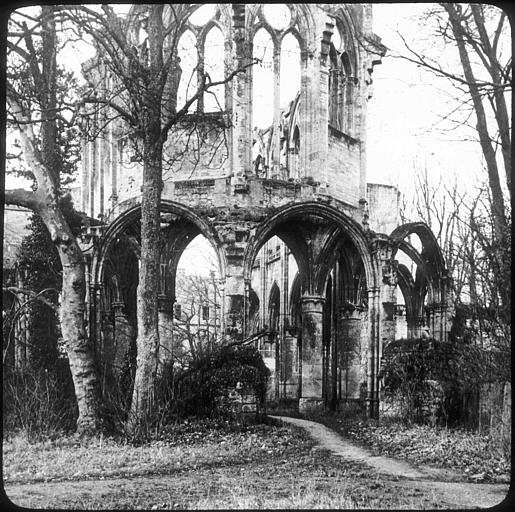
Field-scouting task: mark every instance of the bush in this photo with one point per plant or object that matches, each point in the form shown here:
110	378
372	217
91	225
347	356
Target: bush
40	402
203	389
428	377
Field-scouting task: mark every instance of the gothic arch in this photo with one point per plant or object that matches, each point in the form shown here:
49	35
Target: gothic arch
347	225
431	252
133	214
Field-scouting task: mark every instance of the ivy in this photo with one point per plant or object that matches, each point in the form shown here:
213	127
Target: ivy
201	389
416	371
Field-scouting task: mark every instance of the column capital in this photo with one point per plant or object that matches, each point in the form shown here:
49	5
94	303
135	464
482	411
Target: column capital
117	307
313	298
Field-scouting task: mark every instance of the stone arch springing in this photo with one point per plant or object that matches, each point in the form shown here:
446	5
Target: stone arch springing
131	217
288	213
430	292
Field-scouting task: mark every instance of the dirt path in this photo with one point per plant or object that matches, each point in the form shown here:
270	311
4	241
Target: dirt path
441	481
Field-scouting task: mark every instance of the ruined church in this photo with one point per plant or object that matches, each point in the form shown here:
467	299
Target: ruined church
274	176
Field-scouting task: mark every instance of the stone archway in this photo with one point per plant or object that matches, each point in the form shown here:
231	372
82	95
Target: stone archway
430	293
318	235
112	297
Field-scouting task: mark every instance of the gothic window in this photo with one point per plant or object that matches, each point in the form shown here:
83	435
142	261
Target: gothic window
187	52
278	16
294	164
290	69
263	80
214	99
341	82
203	15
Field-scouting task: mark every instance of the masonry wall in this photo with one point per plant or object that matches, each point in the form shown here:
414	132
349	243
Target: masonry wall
343	169
383	204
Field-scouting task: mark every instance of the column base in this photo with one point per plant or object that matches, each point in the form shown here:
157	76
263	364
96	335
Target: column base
311	404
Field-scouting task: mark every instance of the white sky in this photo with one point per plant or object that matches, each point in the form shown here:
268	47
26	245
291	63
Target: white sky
404	114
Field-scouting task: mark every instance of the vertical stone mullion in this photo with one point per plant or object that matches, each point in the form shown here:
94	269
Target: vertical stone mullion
275	167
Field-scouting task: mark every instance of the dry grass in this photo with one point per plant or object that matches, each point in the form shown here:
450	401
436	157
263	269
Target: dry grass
260	467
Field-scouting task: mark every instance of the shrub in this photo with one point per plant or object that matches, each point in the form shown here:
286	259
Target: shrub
41	402
203	389
418	372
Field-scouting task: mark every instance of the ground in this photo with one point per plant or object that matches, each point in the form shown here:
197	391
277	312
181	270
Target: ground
294	464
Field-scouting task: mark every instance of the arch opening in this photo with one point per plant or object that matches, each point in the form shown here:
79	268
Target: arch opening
324	309
189	292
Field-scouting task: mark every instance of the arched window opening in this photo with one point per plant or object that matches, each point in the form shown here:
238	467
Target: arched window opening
202	15
347	92
274	305
401	318
187	52
197	326
289	81
336	85
290	70
294	161
341	84
336	39
263	80
214	97
278	16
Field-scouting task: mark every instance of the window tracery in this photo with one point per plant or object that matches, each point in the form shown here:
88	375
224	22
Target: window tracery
341	81
275	88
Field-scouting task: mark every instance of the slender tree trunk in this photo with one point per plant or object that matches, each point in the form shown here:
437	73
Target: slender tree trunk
498	101
147	305
498	208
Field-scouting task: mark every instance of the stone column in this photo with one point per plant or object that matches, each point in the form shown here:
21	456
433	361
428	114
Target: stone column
241	136
286	359
312	365
372	353
323	105
92	176
234	300
387	299
290	376
114	167
350	351
275	149
85	174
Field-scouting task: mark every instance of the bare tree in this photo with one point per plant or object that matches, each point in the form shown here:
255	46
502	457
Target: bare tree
34	109
483	227
477	31
143	77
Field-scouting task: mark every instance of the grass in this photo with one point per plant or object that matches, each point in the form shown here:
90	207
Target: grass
258	466
472	454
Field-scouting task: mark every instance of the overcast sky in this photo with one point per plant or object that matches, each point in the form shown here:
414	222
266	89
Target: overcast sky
405	131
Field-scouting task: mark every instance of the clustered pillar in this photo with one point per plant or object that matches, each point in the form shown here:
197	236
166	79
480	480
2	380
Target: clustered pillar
312	308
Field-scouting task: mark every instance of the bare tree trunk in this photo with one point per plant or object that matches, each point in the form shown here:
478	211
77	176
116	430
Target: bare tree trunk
498	208
148	286
498	101
40	152
78	346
